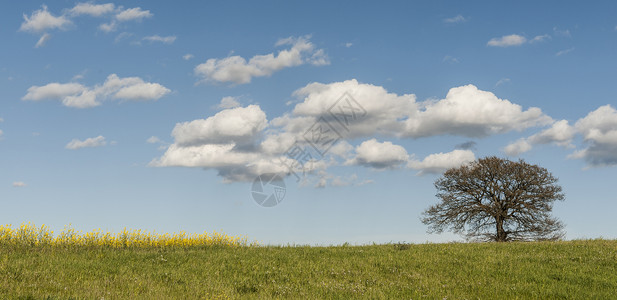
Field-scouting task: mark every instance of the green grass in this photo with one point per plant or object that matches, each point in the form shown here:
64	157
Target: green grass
541	270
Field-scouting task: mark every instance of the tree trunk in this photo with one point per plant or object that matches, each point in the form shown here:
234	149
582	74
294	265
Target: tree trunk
501	233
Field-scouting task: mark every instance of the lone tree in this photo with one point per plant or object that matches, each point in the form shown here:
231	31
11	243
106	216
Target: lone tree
496	199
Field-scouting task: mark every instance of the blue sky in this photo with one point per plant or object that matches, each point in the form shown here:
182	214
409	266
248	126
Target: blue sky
158	116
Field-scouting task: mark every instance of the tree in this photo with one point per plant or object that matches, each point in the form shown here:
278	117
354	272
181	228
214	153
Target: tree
496	199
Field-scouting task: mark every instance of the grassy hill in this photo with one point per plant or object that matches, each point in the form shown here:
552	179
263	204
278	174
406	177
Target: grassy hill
585	269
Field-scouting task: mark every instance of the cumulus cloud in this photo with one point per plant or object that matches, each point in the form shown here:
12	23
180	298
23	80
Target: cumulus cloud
42	20
466	111
439	162
469	111
507	41
75	144
517	148
212	143
228	102
187	56
1	133
95	10
238	70
19	184
239	125
79	96
239	142
599	131
162	39
384	155
560	133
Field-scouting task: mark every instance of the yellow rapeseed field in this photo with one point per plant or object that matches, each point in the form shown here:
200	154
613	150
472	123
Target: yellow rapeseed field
31	235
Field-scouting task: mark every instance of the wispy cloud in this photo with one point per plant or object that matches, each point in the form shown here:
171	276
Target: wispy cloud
563	52
507	41
75	144
455	19
559	32
502	81
162	39
450	59
540	38
19	184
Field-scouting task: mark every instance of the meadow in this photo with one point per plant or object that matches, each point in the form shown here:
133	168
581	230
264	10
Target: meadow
209	266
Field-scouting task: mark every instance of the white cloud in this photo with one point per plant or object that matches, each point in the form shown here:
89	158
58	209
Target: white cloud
108	27
502	81
564	33
236	69
163	39
378	155
539	38
19	184
560	133
562	52
240	126
456	19
75	144
133	14
153	140
44	38
41	20
439	162
95	10
239	142
121	36
114	87
187	56
450	59
348	45
228	102
53	91
517	148
1	120
1	132
507	41
468	111
599	130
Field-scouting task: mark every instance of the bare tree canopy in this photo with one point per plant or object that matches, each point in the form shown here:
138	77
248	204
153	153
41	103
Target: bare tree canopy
496	199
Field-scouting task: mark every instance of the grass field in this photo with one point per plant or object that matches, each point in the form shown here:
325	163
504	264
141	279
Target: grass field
585	269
